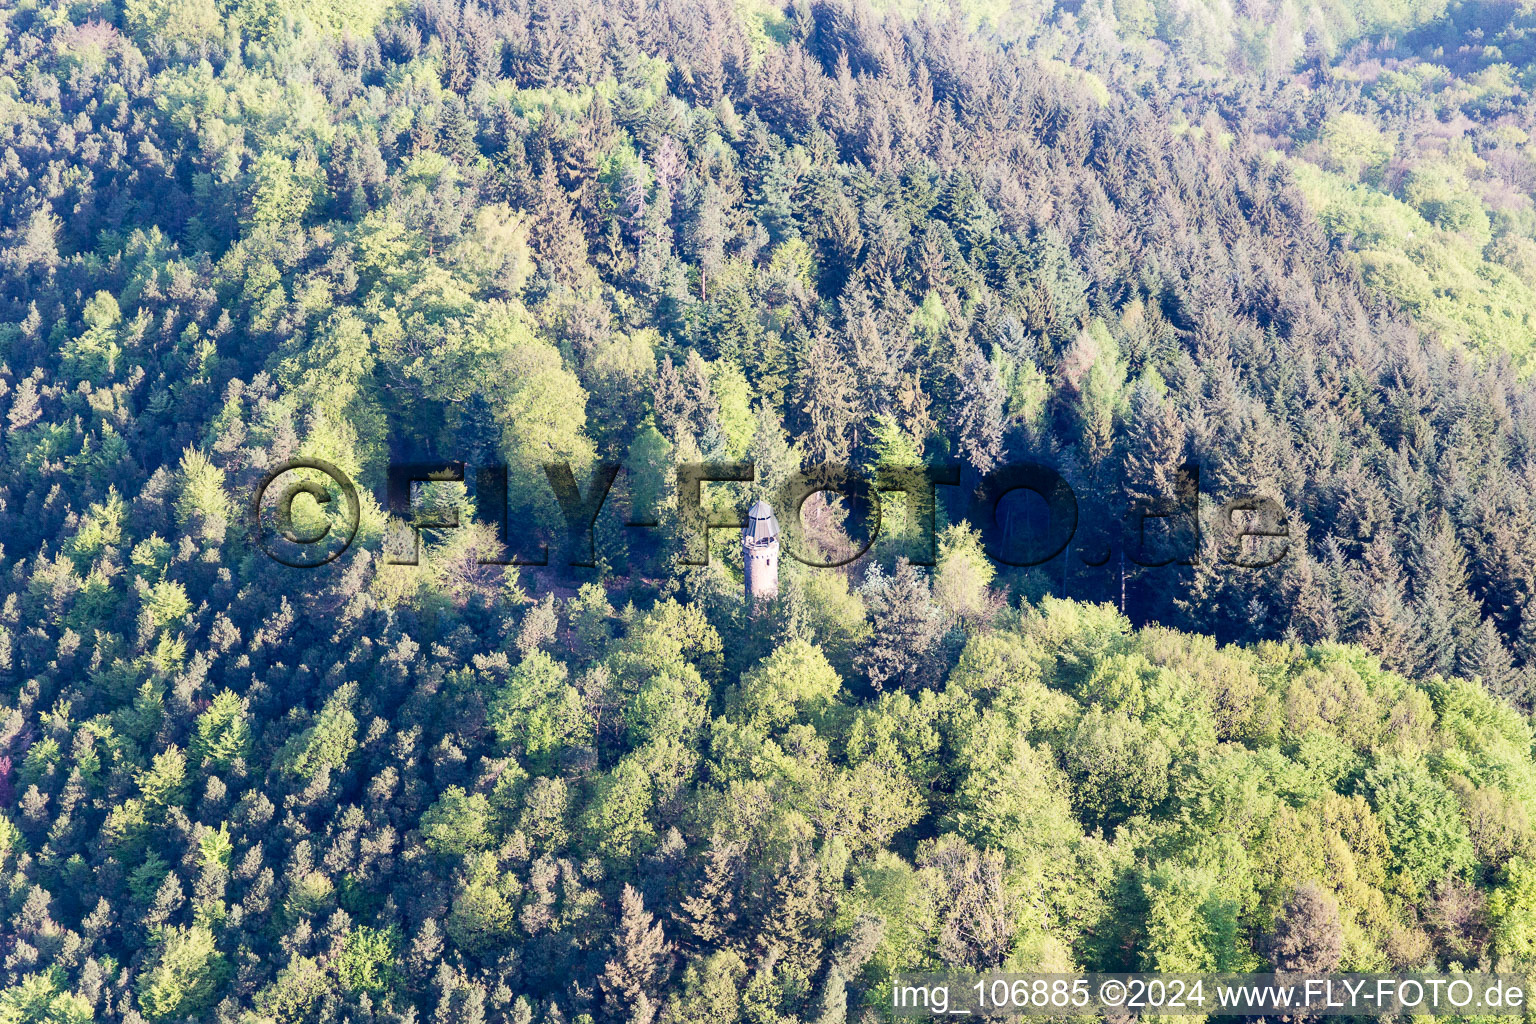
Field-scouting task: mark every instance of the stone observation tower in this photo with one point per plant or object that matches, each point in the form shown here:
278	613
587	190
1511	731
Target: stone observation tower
760	553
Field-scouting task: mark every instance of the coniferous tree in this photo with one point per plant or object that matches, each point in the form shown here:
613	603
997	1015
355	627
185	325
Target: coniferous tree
709	913
978	408
408	793
632	978
1443	604
901	651
824	389
1486	658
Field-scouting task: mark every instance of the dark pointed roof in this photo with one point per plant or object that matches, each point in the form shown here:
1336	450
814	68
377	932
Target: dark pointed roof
761	526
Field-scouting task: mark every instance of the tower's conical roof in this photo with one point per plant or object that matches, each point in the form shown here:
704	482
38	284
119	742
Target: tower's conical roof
761	526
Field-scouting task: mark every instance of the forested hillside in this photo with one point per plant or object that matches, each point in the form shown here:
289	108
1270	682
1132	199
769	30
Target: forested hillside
1091	238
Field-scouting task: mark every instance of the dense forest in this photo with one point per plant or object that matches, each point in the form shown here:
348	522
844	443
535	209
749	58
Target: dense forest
1292	247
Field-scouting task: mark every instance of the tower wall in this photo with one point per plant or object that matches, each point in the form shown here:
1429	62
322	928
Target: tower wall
762	569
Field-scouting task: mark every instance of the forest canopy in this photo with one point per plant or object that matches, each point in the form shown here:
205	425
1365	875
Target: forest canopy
1290	246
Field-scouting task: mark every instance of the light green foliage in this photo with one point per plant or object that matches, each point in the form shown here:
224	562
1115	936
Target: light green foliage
929	318
1168	700
125	828
793	682
1119	766
141	719
591	619
101	529
671	705
368	959
965	572
1353	145
482	344
166	602
1077	636
1193	919
711	990
1441	194
165	781
890	889
482	915
223	733
1145	725
899	734
1137	18
1098	373
649	469
1274	36
734	394
536	712
215	846
151	555
615	821
278	194
333	366
1512	909
865	805
187	973
356	16
1491	740
498	250
546	806
40	999
95	354
172	21
145	880
40	763
620	369
1242	707
669	634
11	841
1026	386
291	998
1423	823
327	743
1337	841
1439	275
1002	671
1011	795
202	490
834	616
542	408
458	824
311	894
